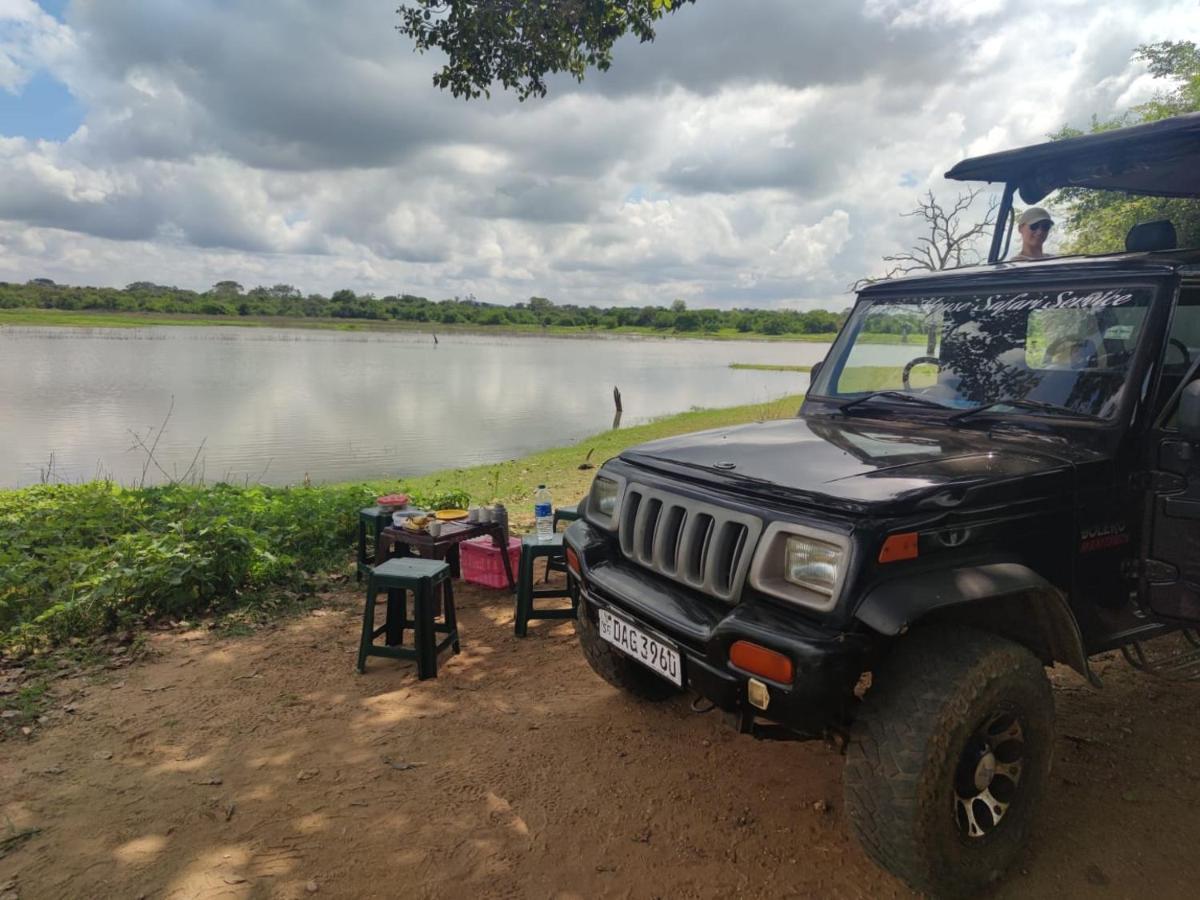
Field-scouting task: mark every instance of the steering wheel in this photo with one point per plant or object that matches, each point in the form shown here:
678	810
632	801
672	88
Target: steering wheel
911	364
1187	355
1078	341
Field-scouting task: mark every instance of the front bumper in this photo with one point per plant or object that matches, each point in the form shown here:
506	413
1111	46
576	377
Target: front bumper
827	664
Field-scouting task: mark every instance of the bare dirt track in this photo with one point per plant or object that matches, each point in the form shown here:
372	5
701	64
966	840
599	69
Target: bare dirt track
263	766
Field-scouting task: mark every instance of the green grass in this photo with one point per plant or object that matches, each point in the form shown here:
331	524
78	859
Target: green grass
244	554
765	367
104	319
514	482
30	701
89	319
883	378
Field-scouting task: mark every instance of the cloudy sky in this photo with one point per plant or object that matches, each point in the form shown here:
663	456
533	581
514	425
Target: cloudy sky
757	154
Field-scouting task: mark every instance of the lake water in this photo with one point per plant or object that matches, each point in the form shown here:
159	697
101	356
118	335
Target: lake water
274	405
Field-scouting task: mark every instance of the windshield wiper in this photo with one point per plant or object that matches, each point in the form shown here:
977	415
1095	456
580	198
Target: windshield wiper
1019	403
894	395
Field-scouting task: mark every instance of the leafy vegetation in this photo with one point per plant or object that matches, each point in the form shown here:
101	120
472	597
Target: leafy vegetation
517	43
80	560
227	301
83	559
1097	221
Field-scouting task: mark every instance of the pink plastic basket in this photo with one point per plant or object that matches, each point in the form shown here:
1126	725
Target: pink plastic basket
481	563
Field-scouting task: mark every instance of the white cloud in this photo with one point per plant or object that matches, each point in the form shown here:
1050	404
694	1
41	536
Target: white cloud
904	14
749	157
30	39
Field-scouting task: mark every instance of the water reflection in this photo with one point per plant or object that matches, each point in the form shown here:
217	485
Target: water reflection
277	405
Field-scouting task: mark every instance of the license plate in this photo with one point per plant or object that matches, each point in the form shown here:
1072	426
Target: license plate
661	658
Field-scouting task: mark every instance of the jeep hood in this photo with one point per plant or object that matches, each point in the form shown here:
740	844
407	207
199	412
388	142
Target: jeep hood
864	465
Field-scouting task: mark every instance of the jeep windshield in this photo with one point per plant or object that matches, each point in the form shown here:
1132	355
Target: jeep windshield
1033	352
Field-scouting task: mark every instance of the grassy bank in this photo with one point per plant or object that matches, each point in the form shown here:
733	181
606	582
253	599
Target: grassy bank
765	367
97	319
79	560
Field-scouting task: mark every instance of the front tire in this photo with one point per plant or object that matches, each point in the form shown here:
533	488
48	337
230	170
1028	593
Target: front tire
615	667
951	753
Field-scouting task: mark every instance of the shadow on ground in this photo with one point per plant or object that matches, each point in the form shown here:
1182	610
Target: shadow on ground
264	767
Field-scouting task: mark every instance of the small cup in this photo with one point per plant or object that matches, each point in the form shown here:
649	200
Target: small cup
473	514
434	528
485	514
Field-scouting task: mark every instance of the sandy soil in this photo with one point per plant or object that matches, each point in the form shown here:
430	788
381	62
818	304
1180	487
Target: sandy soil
263	766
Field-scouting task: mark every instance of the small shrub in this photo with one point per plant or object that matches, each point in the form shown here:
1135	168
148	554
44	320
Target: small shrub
440	499
79	560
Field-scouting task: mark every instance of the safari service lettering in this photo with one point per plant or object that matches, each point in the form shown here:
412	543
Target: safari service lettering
1000	303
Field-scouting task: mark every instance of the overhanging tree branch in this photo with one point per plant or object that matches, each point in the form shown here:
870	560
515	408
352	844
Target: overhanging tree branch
518	43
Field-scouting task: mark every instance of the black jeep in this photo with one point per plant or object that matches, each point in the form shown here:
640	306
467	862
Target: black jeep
995	469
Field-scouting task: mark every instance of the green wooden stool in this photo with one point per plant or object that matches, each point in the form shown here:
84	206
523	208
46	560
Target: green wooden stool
561	514
399	577
565	514
531	550
374	519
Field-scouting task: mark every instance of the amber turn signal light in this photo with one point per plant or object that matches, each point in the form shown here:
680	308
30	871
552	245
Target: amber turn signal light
760	661
898	547
573	562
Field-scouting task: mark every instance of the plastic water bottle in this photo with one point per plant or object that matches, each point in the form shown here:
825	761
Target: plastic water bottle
543	513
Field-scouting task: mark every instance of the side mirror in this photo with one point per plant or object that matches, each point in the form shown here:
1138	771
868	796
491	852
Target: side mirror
815	371
1189	411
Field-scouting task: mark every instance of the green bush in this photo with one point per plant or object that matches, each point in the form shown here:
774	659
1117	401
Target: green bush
79	560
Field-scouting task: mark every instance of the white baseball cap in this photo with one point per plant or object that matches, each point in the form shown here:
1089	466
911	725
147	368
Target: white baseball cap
1034	214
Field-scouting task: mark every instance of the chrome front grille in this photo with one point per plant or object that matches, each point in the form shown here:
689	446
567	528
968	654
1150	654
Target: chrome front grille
703	546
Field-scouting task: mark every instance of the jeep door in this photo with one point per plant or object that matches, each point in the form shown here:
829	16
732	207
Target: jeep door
1170	571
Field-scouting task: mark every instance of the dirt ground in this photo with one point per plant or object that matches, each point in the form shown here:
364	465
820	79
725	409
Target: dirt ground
263	766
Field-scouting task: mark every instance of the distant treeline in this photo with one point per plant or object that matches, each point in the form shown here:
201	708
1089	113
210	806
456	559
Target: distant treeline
228	298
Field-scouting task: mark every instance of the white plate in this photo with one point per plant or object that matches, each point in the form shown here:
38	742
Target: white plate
659	657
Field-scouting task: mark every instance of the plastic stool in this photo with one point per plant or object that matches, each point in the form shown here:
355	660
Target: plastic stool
376	519
399	577
565	514
562	514
531	550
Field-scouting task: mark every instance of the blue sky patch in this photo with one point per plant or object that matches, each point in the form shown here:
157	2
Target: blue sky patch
42	110
56	8
640	193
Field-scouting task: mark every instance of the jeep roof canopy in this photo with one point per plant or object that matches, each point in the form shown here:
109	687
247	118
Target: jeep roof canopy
1158	158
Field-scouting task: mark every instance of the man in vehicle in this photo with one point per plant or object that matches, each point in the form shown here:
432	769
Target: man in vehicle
1034	226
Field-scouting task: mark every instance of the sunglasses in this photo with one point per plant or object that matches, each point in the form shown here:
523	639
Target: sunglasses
1041	226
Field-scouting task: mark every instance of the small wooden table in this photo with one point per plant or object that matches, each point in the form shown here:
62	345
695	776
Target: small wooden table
395	541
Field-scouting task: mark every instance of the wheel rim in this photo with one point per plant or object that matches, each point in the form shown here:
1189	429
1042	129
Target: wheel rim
988	779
